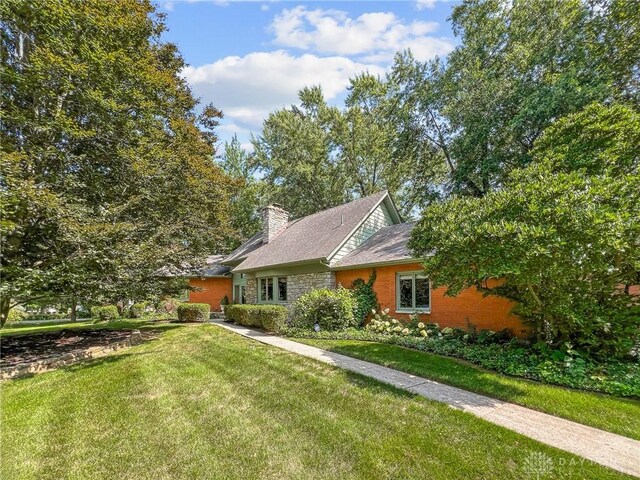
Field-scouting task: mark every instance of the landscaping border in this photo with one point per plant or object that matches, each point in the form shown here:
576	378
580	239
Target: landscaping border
65	359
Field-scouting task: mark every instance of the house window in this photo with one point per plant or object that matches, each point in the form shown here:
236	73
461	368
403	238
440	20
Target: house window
413	293
272	289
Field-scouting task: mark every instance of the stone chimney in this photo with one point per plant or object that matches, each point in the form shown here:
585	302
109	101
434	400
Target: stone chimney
274	221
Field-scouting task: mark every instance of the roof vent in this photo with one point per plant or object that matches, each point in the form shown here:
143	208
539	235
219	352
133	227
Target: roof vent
274	221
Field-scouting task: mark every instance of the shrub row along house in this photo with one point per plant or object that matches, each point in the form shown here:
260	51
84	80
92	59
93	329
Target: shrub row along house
335	247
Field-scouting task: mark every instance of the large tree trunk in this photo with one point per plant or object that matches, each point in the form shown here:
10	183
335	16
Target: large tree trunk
74	307
4	310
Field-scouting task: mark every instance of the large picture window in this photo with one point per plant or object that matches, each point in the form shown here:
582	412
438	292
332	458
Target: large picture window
413	293
272	289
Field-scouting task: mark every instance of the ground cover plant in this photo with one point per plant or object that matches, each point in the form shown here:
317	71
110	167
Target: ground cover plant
199	401
496	351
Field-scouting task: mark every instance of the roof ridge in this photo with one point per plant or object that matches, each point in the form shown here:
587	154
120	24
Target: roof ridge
339	206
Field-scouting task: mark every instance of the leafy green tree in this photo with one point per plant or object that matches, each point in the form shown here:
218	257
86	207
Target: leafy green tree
520	66
294	156
316	156
562	236
248	197
106	168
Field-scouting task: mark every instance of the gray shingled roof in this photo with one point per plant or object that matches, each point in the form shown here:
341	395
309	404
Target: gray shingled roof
389	244
244	250
314	237
211	268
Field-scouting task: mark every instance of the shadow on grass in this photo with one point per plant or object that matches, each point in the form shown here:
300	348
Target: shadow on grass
401	383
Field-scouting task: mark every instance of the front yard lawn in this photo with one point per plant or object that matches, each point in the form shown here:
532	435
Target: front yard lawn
613	414
24	329
200	402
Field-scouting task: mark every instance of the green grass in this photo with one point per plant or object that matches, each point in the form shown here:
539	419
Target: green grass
200	402
617	415
80	324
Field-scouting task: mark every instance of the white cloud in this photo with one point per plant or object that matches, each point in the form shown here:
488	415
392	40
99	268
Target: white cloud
247	88
373	36
429	4
422	4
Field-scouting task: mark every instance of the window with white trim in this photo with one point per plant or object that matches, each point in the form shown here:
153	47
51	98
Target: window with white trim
413	293
272	289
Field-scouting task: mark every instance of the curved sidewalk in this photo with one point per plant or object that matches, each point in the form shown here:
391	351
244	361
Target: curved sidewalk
608	449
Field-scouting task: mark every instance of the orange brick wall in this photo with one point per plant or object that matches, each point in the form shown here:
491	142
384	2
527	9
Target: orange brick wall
213	290
490	313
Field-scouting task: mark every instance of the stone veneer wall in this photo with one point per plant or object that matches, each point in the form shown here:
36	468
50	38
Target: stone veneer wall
296	285
251	291
299	284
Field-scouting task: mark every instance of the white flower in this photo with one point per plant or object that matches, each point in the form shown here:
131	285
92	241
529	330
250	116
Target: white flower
386	311
420	325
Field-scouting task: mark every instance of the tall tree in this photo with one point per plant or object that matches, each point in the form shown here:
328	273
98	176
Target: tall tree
520	66
107	172
315	156
296	158
249	196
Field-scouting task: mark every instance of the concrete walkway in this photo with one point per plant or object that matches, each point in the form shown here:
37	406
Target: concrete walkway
608	449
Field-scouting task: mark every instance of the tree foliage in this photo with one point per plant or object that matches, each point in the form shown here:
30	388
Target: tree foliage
316	156
519	67
249	194
103	155
562	235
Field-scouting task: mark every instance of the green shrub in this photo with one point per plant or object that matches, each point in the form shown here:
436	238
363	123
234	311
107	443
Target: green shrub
46	316
193	312
366	297
269	317
106	313
137	310
331	309
16	314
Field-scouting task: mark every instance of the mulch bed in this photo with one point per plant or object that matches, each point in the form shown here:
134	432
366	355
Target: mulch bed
26	349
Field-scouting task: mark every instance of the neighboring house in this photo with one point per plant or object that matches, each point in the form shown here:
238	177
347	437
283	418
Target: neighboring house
337	246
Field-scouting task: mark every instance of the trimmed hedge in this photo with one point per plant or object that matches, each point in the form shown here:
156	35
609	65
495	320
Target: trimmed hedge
193	312
270	317
106	313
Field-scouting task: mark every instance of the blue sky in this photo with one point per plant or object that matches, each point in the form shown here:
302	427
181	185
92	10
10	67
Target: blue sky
252	57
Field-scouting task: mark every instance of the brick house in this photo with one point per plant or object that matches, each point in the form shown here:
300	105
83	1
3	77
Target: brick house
336	246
